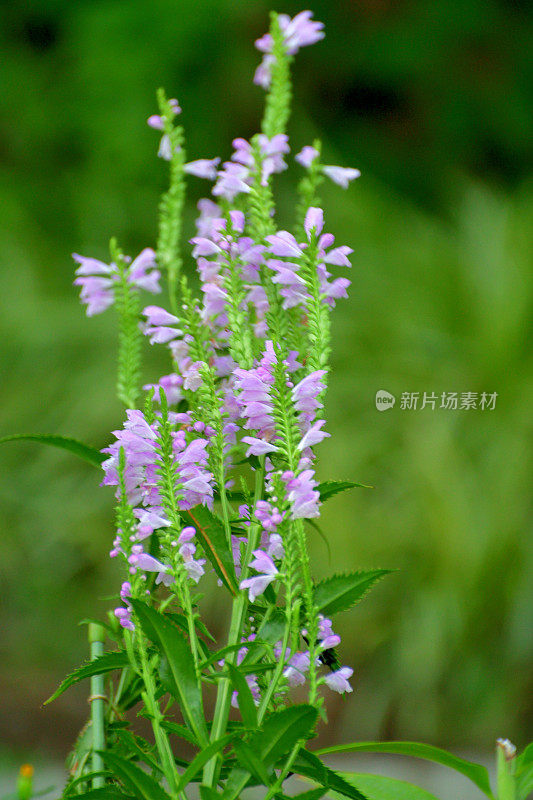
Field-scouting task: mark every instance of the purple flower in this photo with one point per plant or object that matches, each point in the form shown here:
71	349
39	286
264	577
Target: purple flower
275	546
303	496
263	564
124	617
314	220
171	386
306	392
209	211
314	435
97	280
156	121
203	168
272	152
341	175
298	666
268	516
306	156
338	681
284	244
298	32
231	181
258	447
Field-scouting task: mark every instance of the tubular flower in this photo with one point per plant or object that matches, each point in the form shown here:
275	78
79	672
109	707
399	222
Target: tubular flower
97	280
288	274
338	681
263	564
298	32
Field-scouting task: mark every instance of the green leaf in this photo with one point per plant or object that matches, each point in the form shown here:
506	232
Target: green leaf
309	765
180	730
250	761
202	758
244	697
312	794
524	773
84	451
341	592
282	730
475	772
140	783
328	489
278	735
182	672
379	787
211	533
208	793
106	663
104	793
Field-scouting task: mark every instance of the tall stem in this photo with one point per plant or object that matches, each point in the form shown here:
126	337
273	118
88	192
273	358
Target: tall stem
238	613
96	641
163	747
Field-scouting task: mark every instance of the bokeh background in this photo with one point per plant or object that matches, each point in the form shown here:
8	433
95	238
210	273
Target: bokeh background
432	101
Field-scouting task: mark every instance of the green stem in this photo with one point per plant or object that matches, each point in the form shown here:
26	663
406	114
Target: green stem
96	641
276	788
166	757
238	613
506	766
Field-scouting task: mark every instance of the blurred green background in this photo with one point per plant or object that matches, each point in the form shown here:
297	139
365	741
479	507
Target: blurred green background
432	101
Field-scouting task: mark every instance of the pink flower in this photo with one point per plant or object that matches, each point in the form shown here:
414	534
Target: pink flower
338	681
341	175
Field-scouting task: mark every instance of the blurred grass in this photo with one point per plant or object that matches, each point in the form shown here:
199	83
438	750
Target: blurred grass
433	105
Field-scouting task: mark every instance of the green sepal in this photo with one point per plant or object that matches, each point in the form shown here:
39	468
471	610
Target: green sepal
475	772
183	684
83	451
143	786
106	663
211	534
341	592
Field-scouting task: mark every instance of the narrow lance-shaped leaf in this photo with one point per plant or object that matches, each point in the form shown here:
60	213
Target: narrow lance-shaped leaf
245	699
282	730
329	489
80	449
476	772
380	787
309	765
341	592
251	762
181	665
140	783
202	758
106	663
210	532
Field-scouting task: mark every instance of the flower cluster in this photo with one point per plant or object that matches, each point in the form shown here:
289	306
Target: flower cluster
246	384
99	280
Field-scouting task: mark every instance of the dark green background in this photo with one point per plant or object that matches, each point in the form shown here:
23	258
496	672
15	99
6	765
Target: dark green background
432	102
